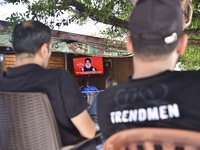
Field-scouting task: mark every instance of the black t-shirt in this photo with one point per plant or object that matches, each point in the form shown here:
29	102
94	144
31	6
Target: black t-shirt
65	96
169	99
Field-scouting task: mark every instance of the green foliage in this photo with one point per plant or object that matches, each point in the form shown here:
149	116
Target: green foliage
16	2
190	60
115	33
99	10
195	24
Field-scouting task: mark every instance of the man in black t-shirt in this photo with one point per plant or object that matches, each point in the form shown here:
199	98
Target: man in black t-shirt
88	66
156	95
32	44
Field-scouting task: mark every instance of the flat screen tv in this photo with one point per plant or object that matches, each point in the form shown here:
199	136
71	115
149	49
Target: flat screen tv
88	65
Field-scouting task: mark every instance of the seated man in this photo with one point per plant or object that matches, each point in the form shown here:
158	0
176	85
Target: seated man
110	81
156	95
32	44
86	88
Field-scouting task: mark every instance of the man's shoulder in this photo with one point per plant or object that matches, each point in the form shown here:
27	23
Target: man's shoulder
85	89
111	91
55	73
186	75
1	73
93	88
56	70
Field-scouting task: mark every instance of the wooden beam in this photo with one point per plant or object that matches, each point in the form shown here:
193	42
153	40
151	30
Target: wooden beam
4	25
103	42
88	39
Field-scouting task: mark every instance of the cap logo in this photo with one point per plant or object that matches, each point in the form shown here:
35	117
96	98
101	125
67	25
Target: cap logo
172	38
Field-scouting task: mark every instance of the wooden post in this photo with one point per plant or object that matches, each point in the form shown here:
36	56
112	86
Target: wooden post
65	55
1	62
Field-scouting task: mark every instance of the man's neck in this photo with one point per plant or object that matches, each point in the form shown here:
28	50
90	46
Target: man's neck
24	59
147	69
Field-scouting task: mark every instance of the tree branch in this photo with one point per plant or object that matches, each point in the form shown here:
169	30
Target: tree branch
111	21
193	42
82	8
192	32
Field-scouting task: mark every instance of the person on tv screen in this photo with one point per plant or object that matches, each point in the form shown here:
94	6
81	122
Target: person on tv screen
88	66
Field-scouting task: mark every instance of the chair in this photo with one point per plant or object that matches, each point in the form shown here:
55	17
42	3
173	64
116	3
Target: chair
27	122
153	138
90	96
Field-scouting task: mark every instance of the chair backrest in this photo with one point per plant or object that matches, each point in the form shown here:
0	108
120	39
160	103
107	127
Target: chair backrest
27	122
90	96
152	138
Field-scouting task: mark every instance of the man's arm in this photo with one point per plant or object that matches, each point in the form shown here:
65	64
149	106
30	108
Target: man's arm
84	124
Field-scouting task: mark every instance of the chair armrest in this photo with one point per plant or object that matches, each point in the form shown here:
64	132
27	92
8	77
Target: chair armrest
69	147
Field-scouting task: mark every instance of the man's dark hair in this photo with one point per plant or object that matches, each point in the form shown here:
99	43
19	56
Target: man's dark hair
87	59
146	51
29	36
111	81
84	82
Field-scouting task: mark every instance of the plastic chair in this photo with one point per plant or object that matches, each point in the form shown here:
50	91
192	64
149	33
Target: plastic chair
90	96
153	138
27	122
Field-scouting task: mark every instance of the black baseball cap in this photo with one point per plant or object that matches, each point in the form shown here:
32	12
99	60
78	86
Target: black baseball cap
156	22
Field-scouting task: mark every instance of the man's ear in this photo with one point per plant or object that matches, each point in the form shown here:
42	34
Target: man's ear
106	86
129	45
182	44
43	51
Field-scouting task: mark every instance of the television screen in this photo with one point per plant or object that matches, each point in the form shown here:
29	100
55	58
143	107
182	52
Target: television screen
88	65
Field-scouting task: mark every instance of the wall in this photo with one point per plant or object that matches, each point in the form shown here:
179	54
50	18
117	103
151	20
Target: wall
56	60
120	68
